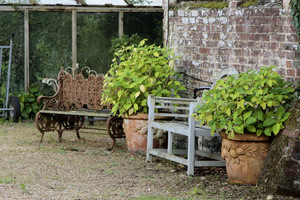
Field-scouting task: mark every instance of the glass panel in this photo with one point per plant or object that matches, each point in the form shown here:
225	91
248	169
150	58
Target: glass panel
146	25
12	22
50	44
95	31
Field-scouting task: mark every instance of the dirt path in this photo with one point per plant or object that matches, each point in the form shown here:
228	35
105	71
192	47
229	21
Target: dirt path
83	169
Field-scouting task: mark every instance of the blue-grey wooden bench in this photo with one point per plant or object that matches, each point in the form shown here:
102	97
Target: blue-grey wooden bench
181	109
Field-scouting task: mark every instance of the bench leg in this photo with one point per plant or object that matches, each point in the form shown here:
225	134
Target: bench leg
60	132
114	129
42	136
44	123
77	133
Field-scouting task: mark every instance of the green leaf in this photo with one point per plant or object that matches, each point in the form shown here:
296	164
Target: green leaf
142	88
276	128
130	111
259	115
280	111
250	120
251	128
285	116
238	121
268	131
269	122
228	111
137	94
120	92
247	115
238	129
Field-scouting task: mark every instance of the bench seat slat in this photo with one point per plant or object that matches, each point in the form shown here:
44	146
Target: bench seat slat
77	113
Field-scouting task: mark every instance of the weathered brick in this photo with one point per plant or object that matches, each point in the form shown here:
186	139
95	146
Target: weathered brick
291	72
204	50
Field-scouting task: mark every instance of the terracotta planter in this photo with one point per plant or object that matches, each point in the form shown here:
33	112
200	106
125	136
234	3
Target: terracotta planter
136	128
244	156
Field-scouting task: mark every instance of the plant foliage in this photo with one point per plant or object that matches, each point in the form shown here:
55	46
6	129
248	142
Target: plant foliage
28	101
249	102
295	12
136	73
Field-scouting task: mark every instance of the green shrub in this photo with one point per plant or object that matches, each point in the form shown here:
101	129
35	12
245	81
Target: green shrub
137	72
249	102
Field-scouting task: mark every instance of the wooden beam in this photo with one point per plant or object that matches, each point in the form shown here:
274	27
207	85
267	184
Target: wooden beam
82	8
121	23
74	39
26	51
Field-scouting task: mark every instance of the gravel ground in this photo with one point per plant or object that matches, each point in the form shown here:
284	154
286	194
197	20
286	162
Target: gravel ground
84	169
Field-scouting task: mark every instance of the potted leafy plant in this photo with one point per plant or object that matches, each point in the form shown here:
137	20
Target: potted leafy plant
248	109
136	73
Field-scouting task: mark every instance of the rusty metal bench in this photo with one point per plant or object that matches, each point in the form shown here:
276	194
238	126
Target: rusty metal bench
77	97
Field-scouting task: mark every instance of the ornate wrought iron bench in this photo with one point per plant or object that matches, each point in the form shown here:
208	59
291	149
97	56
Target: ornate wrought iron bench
77	97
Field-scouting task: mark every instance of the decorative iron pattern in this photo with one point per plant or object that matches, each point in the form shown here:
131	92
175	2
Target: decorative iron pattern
76	92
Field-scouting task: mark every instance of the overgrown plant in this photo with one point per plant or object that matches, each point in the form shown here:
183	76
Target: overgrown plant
137	72
28	101
125	40
251	102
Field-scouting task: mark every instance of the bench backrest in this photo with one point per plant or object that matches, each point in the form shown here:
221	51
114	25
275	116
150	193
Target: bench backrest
80	91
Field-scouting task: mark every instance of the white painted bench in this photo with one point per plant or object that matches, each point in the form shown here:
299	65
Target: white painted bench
183	124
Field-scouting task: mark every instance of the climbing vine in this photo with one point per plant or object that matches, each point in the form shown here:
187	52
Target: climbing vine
295	12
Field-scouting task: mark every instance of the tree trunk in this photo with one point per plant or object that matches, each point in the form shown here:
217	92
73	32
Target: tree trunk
281	170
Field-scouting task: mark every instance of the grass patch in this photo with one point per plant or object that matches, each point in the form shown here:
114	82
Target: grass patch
155	197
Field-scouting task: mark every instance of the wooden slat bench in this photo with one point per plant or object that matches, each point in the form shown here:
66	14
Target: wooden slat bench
77	97
183	124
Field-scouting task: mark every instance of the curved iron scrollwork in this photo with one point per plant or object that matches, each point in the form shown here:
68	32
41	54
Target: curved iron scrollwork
76	92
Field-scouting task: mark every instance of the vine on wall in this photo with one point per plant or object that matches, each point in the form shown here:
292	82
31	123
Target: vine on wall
295	12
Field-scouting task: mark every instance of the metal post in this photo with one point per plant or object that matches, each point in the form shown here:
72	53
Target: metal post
8	71
1	51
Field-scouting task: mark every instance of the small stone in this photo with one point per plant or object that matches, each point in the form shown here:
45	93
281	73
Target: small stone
202	178
270	197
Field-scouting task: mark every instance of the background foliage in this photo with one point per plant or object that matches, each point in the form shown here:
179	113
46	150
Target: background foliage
51	40
295	12
51	45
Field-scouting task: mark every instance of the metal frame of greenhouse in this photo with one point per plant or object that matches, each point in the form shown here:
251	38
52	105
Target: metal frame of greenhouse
74	6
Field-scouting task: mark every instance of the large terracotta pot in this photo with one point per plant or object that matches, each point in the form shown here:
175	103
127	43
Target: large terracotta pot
136	128
244	156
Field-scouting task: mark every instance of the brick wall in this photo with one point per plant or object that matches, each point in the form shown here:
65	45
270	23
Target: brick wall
209	40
